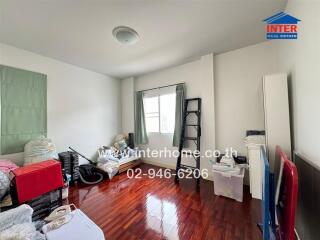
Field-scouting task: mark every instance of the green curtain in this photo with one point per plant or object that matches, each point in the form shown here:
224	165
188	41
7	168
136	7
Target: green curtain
23	108
141	136
180	97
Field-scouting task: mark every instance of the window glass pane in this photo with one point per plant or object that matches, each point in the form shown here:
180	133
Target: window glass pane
167	112
151	104
151	111
152	124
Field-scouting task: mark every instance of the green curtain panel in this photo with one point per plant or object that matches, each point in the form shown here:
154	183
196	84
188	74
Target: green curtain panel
141	136
23	108
180	97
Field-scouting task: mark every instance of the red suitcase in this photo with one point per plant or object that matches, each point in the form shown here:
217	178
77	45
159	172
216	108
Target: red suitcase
36	179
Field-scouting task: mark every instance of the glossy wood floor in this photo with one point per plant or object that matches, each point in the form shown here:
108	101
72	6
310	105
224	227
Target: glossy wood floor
160	209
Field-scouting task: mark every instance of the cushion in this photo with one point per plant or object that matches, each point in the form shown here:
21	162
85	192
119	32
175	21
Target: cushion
6	166
121	145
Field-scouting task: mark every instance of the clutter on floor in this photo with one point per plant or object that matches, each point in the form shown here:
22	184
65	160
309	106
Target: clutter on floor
64	223
17	224
228	178
112	160
110	166
37	169
47	175
120	155
89	173
45	203
38	150
120	149
43	196
52	178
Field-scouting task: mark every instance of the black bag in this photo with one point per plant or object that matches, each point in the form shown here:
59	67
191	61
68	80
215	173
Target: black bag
89	174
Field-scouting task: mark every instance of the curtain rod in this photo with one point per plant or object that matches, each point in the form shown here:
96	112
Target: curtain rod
160	87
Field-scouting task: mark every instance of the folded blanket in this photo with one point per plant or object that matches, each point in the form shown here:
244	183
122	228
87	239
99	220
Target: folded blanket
16	224
24	231
21	214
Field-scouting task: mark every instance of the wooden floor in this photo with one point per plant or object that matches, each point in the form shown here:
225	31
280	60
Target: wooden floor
160	209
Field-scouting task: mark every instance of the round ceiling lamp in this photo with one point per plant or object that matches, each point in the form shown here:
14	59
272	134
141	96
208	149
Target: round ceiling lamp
125	35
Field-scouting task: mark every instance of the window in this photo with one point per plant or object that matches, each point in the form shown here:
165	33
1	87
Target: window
151	110
159	108
167	112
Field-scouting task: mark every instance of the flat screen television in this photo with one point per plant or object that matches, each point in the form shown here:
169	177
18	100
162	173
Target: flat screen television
308	207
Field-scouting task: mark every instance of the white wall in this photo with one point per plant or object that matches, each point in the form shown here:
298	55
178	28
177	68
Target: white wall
238	92
83	106
198	77
230	85
301	60
127	102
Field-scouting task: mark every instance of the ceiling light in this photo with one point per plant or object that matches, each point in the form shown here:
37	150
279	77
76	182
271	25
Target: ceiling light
125	35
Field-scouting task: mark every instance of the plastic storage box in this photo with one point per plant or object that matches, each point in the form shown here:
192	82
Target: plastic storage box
70	164
45	204
228	186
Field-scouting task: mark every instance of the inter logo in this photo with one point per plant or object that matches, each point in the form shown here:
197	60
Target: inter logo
282	26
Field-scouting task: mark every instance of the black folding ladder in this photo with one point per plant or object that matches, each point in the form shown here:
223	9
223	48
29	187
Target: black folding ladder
195	139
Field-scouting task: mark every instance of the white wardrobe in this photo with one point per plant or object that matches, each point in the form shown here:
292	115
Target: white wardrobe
277	126
277	117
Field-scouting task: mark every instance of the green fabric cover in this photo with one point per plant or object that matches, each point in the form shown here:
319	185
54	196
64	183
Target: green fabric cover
180	97
141	136
23	108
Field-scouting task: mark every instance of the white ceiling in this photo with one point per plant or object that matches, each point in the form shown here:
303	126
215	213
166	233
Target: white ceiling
171	31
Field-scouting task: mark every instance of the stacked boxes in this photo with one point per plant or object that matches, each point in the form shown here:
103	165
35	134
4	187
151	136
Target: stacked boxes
45	204
70	164
38	185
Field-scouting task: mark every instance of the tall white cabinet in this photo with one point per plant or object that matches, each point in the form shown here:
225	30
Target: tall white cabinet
277	118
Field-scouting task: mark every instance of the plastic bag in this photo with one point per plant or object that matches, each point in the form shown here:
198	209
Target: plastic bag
38	150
